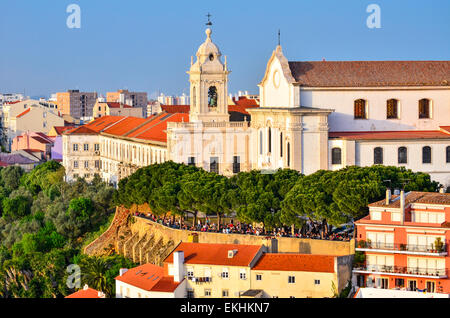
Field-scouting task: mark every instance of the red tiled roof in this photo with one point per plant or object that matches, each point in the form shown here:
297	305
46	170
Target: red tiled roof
149	277
371	73
240	108
125	126
296	263
41	140
176	108
117	105
446	129
23	113
392	135
95	126
216	254
246	102
60	129
155	129
85	293
416	197
14	102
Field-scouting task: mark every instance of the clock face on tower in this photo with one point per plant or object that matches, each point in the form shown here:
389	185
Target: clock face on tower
276	79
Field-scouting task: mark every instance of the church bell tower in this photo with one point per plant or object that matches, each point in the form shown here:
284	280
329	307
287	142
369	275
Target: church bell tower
208	78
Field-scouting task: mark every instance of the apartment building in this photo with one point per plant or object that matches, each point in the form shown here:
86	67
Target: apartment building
134	99
405	242
115	109
76	104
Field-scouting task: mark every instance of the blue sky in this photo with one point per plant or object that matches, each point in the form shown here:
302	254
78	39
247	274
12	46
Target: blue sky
146	45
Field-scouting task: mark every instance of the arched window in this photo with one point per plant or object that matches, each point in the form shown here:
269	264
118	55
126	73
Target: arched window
426	154
260	142
212	96
402	155
194	96
392	109
448	154
288	154
424	108
269	136
336	156
360	109
281	144
378	156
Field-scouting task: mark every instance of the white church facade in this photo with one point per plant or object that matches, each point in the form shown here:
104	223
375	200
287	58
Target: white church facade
319	115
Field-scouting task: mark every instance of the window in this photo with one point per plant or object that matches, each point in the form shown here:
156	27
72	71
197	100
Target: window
190	293
317	282
424	108
378	156
402	155
44	124
392	109
97	164
75	147
214	164
225	273
190	272
431	287
86	147
258	277
281	144
360	109
212	96
207	292
412	285
96	147
236	164
243	274
269	133
336	156
447	154
191	161
291	279
86	164
224	292
44	114
75	164
399	282
260	142
288	154
426	154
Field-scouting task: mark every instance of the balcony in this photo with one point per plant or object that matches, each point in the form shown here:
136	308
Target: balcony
401	271
200	280
411	249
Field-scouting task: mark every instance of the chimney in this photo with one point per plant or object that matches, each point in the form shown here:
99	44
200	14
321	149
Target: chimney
402	206
101	294
388	196
123	271
85	287
178	266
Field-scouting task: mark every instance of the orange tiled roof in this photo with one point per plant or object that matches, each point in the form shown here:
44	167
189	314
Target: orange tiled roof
117	105
246	102
416	197
216	254
154	129
296	263
371	73
176	108
85	293
392	135
60	129
149	277
94	126
124	126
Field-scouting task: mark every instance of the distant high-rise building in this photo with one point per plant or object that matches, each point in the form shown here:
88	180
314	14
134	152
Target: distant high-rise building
76	104
135	99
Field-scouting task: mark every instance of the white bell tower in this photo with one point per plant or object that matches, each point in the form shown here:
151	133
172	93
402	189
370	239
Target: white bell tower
208	77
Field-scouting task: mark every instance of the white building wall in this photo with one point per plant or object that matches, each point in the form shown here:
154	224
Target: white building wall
342	101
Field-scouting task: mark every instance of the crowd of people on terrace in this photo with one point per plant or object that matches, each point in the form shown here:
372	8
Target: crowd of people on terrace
311	230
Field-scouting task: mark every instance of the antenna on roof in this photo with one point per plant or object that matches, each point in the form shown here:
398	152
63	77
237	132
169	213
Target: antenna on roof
279	37
405	182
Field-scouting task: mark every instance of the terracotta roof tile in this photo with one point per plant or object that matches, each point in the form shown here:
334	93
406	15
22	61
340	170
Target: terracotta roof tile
216	254
23	113
296	263
85	293
371	73
149	277
416	197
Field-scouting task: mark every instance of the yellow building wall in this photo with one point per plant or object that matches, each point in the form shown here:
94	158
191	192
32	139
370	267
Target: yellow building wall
276	284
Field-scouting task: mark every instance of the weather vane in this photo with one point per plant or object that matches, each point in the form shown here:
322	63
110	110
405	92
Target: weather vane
209	23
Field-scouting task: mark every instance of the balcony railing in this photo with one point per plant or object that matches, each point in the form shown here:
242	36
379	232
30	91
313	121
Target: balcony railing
403	247
403	270
199	280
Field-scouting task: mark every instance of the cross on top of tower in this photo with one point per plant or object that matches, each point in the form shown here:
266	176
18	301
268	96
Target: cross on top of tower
209	23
